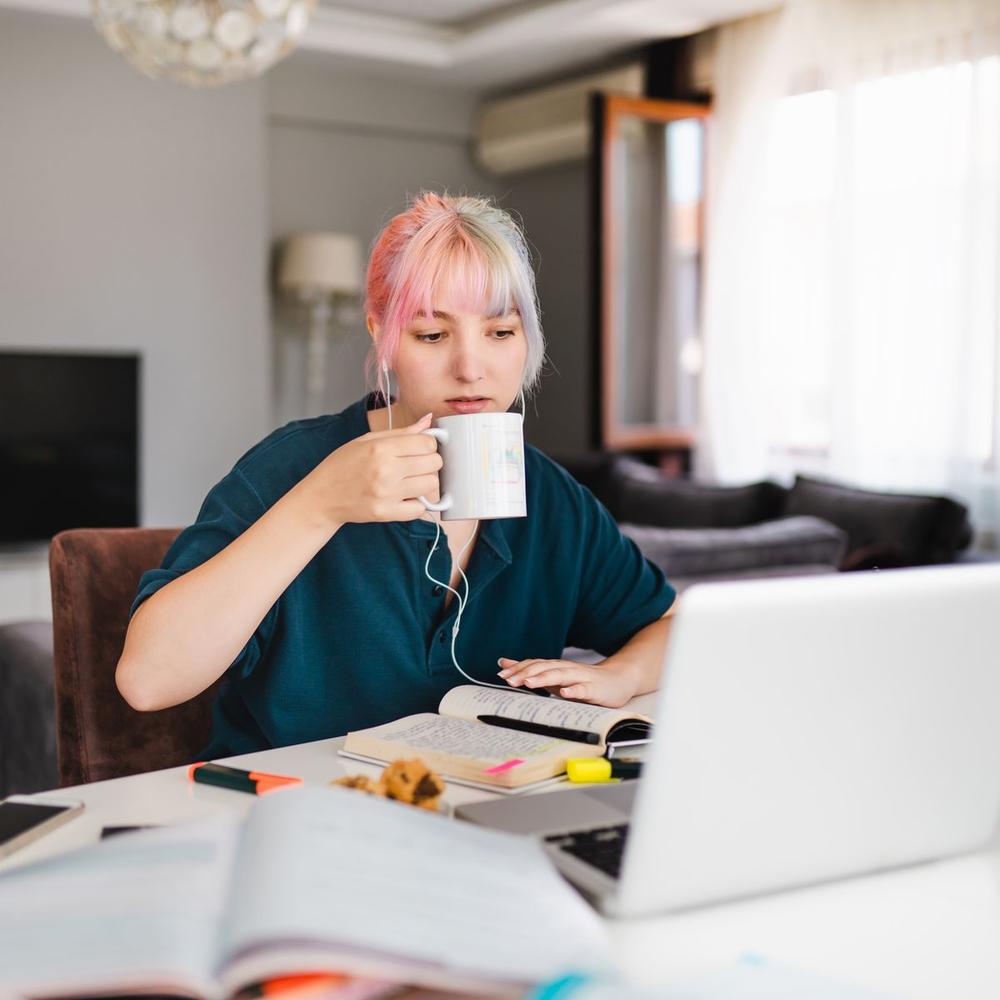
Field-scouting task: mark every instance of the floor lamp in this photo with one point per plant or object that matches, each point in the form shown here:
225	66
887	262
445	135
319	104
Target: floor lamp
321	270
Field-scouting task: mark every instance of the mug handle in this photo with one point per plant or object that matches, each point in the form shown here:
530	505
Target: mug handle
446	501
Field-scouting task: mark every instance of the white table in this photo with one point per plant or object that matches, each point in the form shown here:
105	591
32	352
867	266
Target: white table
925	933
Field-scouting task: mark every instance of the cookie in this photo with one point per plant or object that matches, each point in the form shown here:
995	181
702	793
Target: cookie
362	783
414	782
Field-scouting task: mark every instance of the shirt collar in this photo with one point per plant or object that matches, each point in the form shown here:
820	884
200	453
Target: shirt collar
492	533
357	413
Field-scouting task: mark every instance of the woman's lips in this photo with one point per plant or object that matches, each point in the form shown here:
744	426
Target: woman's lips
467	406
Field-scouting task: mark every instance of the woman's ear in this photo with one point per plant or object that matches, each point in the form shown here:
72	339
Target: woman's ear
373	327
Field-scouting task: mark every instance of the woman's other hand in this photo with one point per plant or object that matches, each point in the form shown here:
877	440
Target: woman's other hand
608	685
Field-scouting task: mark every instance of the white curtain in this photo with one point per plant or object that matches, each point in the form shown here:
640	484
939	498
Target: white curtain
852	276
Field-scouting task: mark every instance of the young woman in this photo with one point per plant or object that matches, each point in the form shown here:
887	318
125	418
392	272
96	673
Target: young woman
302	579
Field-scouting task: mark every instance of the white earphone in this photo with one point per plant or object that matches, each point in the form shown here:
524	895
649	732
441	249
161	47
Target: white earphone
388	407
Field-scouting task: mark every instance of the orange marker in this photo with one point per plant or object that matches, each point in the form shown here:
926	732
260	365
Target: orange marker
255	782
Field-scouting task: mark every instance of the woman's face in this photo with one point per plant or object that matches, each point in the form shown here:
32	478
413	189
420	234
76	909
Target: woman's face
453	355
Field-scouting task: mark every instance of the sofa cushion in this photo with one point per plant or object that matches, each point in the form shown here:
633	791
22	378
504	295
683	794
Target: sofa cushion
706	552
604	472
885	529
682	503
596	472
27	709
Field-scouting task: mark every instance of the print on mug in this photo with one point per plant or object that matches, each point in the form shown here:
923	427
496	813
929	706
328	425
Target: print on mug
483	472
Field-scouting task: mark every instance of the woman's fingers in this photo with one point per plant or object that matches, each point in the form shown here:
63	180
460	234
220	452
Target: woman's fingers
557	676
578	692
510	667
413	430
596	685
542	673
409	510
420	465
423	486
512	670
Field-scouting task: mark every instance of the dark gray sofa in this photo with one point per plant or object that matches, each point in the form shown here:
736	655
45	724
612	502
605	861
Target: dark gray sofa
696	531
27	709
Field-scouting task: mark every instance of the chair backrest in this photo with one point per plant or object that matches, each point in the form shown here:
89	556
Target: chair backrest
95	576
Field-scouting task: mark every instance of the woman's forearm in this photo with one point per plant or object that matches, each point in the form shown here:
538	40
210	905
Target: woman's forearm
642	656
185	635
633	670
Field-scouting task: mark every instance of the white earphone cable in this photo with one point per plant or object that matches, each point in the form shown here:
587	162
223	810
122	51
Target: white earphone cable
461	604
437	535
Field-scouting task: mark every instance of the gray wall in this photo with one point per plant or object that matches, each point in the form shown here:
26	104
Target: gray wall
134	219
554	206
140	216
344	153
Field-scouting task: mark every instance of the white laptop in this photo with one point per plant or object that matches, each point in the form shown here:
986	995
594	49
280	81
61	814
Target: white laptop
808	729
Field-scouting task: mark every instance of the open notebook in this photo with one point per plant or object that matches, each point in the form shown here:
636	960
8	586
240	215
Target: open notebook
464	749
317	879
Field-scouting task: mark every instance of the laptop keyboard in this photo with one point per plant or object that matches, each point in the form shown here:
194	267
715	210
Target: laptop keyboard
603	847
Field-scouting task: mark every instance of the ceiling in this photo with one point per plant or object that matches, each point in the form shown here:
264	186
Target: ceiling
484	44
444	12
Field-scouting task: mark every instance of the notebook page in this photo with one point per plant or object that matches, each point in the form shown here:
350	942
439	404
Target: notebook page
468	701
141	909
443	734
333	865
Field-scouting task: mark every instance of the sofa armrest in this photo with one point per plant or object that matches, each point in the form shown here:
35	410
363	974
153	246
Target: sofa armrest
975	556
885	529
707	552
27	709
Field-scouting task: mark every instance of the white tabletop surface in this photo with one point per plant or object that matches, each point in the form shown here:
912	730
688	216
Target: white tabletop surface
923	933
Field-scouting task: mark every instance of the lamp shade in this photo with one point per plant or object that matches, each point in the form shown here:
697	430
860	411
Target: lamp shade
203	42
324	263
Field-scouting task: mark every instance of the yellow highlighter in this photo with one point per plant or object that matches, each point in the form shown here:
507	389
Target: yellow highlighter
601	769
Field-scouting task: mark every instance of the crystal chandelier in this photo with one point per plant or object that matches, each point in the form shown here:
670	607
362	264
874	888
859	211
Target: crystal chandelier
202	42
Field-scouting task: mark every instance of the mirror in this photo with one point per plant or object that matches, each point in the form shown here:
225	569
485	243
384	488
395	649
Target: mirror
650	191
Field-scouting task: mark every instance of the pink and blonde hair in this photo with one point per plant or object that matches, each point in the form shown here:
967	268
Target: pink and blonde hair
468	245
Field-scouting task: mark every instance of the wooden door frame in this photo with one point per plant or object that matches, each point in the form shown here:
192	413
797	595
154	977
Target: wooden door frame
607	111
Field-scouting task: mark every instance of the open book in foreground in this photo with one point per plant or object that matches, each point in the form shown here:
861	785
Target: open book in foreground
462	747
316	880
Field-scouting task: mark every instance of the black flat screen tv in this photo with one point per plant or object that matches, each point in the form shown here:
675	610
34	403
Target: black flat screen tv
68	443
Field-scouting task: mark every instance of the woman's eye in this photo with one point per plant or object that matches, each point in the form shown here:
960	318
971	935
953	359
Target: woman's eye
435	337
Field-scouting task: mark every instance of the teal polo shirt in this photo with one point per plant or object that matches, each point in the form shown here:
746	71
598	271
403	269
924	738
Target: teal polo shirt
361	636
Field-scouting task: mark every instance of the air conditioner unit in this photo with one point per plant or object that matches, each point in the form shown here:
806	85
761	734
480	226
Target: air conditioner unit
550	125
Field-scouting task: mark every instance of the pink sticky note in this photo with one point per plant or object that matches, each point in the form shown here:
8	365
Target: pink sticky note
505	766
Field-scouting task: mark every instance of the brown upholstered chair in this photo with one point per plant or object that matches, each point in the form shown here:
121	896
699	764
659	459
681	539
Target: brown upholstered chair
95	576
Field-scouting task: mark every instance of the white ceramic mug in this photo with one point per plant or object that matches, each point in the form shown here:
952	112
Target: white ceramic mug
483	472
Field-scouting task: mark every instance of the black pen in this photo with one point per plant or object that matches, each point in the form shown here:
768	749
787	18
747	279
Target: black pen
575	735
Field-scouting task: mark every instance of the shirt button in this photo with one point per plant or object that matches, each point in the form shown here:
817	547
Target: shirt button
436	591
430	543
441	637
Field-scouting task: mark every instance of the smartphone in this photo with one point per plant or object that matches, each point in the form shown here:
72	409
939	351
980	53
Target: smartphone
24	819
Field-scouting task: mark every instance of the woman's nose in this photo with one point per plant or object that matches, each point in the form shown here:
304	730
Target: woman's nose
467	364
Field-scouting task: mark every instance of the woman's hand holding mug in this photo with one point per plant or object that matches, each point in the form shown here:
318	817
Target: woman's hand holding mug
378	476
393	475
